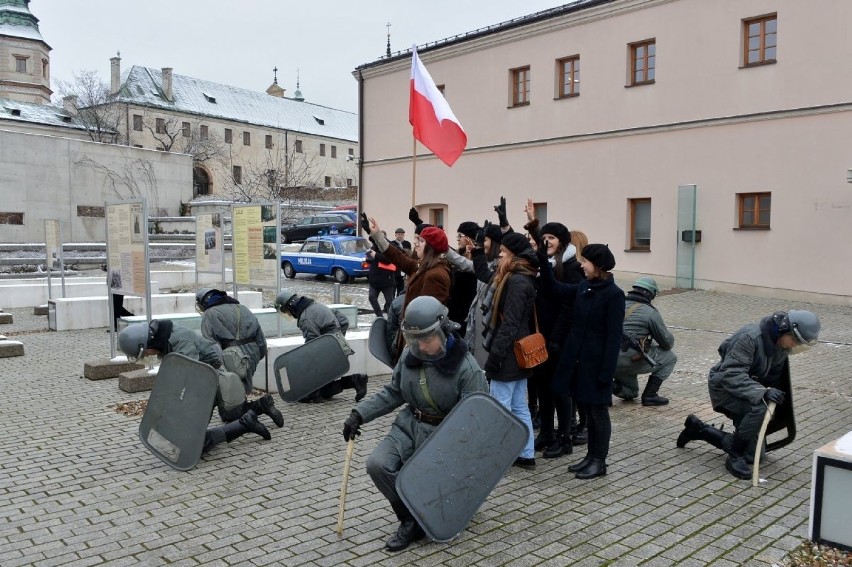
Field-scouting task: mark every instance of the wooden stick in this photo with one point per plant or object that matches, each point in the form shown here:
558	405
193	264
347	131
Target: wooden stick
755	471
413	169
349	450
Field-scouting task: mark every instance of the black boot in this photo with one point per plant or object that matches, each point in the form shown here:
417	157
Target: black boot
266	406
736	462
581	465
650	397
595	468
691	431
562	446
408	531
543	440
579	436
230	431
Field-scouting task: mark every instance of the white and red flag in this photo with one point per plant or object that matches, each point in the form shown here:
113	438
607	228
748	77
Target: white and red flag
433	120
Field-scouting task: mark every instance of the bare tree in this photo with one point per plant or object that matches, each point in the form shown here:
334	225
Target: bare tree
136	179
93	100
165	131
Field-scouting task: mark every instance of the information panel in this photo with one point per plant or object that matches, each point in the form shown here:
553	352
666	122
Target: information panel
255	244
126	239
209	246
52	241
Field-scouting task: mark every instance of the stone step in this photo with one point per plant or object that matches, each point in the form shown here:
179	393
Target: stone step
11	348
5	318
137	380
108	368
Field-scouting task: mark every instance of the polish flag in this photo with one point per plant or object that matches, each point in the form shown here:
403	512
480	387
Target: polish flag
433	120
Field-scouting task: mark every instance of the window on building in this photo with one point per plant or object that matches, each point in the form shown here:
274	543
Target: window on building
436	217
322	149
755	209
760	36
352	152
229	136
268	142
327	181
161	126
238	174
44	68
298	146
20	67
271	176
185	128
137	122
246	138
519	86
568	76
349	182
640	224
334	151
540	212
11	218
203	132
643	56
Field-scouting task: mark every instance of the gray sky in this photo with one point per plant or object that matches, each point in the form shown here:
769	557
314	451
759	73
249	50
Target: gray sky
238	42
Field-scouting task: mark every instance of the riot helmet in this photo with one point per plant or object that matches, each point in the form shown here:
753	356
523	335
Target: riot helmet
201	298
803	325
426	327
284	300
646	283
133	340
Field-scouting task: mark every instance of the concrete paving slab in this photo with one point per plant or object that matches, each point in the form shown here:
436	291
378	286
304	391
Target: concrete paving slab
103	369
11	348
137	380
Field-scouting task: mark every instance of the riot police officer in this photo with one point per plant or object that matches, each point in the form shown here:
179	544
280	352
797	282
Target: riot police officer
753	371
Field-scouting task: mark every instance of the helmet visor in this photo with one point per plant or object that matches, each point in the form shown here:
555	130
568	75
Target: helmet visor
427	344
802	340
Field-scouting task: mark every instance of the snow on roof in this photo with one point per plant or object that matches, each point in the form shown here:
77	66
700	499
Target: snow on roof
37	114
24	32
143	86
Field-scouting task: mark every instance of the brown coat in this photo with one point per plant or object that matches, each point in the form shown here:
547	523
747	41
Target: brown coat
434	281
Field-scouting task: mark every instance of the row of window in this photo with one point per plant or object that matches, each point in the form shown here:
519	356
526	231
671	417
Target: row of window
272	175
760	41
204	133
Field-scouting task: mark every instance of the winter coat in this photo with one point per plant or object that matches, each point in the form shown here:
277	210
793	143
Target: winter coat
191	344
232	325
473	329
447	380
555	315
750	363
590	353
378	277
316	319
514	321
434	281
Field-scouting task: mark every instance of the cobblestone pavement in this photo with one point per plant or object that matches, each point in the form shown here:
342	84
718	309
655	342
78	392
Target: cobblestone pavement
78	488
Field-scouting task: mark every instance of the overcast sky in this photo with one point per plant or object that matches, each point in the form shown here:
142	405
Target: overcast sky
238	42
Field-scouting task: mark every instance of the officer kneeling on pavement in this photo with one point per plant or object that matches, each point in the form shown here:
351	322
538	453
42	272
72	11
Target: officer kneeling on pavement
754	371
646	347
162	337
434	372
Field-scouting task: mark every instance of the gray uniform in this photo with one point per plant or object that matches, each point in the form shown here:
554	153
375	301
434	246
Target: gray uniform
751	363
447	381
189	343
235	328
644	321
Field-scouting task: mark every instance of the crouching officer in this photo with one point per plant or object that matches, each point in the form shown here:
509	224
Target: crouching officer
237	332
753	371
161	338
434	372
315	319
644	327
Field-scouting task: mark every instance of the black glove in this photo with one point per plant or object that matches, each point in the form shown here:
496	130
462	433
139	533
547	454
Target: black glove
501	213
774	395
541	254
365	223
479	239
352	426
414	216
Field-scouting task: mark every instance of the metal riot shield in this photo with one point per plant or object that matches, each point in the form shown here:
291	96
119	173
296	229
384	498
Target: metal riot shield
379	343
449	477
784	418
309	367
178	411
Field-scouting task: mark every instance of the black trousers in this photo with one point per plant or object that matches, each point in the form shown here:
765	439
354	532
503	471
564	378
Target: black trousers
599	427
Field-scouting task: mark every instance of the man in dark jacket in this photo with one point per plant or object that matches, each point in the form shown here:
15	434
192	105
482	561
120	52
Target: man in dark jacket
644	324
752	371
405	246
381	279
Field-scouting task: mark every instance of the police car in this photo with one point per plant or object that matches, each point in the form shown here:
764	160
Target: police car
342	257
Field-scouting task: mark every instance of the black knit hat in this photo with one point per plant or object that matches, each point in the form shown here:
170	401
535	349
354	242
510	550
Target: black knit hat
516	242
559	230
469	229
600	256
494	232
419	228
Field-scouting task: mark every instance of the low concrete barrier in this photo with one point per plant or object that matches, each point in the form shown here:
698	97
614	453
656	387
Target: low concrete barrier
33	292
66	314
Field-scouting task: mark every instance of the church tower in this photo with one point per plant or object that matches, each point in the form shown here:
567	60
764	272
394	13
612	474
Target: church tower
24	56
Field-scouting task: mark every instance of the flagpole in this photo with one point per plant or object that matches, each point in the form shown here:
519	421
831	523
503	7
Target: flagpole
413	169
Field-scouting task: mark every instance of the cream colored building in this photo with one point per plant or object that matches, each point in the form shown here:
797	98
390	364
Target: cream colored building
24	55
605	112
245	143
